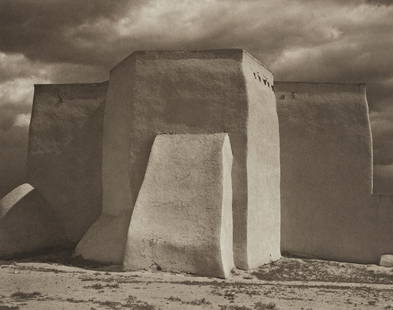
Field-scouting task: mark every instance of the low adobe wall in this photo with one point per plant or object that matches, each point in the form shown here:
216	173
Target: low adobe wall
64	157
328	210
28	225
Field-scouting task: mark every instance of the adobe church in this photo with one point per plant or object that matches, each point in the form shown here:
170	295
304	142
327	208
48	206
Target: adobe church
198	162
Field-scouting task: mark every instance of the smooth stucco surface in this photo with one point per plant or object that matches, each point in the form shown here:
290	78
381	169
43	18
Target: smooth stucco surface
64	158
27	223
11	198
182	219
328	210
195	92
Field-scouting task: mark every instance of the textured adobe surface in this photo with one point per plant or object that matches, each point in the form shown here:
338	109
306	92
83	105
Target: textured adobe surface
104	241
182	219
27	223
64	160
326	183
196	92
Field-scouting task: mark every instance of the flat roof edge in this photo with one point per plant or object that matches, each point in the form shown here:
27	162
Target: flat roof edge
235	53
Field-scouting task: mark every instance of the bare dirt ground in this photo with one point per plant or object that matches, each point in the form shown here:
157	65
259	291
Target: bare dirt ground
58	282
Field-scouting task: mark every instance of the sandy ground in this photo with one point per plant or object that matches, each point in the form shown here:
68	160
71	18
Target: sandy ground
58	283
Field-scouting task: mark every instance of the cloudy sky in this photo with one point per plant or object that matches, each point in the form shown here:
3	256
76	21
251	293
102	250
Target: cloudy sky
60	41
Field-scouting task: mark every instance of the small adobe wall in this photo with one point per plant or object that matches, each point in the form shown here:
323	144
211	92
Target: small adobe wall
28	224
64	157
328	210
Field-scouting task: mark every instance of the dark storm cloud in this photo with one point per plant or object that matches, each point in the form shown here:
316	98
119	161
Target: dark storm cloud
99	33
380	2
47	30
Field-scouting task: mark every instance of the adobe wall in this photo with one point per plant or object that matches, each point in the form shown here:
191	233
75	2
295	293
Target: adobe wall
64	157
326	181
183	92
182	219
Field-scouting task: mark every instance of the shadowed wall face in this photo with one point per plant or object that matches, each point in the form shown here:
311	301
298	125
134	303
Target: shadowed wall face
326	165
64	158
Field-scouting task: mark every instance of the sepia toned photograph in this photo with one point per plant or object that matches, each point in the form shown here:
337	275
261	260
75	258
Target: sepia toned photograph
196	154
